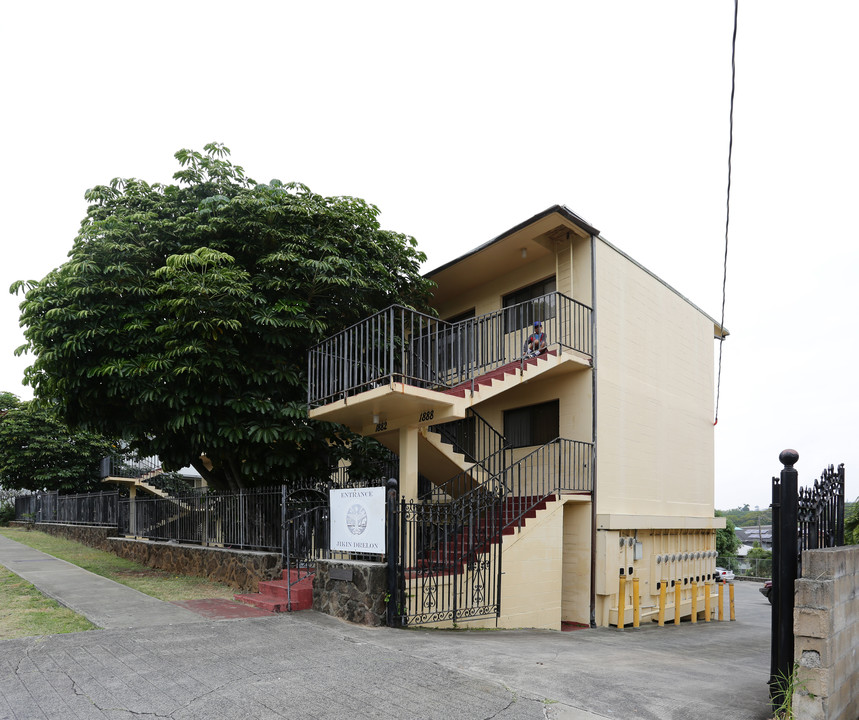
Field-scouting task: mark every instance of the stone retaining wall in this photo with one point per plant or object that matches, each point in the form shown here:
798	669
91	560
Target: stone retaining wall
240	569
826	634
351	590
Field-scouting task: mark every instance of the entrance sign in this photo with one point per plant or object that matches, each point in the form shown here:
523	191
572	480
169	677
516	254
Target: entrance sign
358	520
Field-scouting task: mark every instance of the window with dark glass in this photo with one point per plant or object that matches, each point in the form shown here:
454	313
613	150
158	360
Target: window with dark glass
523	307
532	424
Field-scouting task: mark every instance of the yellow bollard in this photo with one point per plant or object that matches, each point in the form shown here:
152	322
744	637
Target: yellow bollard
707	601
636	604
694	616
662	597
731	596
677	602
721	603
621	603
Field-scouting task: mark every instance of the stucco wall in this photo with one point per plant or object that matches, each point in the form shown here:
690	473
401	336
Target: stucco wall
240	569
654	365
487	298
534	591
826	634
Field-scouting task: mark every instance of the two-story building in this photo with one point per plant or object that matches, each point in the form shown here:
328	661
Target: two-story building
534	484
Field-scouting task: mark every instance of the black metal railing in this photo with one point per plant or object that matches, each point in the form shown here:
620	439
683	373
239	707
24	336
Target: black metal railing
129	466
484	447
147	470
247	519
79	509
402	345
475	438
559	465
820	512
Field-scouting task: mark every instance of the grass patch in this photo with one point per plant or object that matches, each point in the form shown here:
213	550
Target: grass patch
157	583
24	611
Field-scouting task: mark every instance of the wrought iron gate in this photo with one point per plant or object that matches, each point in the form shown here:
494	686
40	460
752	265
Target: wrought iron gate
448	559
803	519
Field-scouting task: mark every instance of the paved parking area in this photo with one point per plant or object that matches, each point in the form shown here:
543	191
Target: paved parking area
307	665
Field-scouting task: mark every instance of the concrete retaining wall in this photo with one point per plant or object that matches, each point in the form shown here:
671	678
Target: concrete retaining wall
351	590
240	569
826	632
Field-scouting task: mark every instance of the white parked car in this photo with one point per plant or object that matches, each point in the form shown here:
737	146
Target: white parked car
723	575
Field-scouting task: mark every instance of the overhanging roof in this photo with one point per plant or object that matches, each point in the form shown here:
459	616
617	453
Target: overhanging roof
562	210
503	253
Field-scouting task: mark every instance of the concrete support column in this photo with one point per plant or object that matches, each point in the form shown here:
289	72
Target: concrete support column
408	463
132	510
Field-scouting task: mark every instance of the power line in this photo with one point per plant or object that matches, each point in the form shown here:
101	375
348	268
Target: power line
727	204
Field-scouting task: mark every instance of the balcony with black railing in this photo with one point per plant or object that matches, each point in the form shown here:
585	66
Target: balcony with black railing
422	357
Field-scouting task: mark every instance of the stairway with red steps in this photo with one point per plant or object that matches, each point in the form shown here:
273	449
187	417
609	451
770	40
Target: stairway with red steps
272	595
450	557
510	368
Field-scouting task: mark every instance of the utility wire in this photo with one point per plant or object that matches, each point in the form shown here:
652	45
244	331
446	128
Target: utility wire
727	204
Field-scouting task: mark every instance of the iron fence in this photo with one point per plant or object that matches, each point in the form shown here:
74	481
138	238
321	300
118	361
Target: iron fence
760	568
803	519
556	466
402	345
80	509
820	512
248	519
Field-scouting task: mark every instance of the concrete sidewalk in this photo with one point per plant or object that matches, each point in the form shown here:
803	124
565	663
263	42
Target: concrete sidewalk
307	665
103	602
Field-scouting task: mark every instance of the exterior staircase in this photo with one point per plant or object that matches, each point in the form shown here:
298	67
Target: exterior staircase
273	594
451	556
502	378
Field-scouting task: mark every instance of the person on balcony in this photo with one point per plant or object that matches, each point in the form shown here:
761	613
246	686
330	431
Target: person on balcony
536	343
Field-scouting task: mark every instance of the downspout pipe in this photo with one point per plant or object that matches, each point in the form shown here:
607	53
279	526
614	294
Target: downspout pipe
593	432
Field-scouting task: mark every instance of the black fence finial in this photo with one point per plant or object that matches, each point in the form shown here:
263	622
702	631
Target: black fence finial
788	457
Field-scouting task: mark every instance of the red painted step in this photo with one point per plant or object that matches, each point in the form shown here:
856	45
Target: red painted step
272	595
449	556
496	374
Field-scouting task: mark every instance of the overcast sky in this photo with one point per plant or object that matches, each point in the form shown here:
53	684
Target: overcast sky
460	120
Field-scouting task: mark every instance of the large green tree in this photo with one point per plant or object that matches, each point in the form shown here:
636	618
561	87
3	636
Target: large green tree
38	451
851	524
182	319
727	541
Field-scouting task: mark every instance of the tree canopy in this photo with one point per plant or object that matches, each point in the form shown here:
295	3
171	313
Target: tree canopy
38	451
851	523
182	319
727	541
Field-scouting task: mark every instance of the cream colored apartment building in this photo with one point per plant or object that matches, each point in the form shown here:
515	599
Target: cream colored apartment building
607	437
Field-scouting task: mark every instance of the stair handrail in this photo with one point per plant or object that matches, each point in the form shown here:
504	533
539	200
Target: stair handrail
485	450
573	459
492	483
509	483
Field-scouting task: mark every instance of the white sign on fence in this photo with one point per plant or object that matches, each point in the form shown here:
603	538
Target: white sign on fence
358	520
